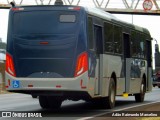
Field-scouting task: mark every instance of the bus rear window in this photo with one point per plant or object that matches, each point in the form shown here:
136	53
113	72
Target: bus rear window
67	18
44	22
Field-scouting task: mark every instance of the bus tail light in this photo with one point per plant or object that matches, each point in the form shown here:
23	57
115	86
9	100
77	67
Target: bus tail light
17	9
81	64
10	65
74	8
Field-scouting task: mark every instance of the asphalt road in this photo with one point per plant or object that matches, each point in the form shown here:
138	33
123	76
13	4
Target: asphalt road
70	110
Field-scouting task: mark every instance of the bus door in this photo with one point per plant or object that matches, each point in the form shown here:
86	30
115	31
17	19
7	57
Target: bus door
98	50
127	61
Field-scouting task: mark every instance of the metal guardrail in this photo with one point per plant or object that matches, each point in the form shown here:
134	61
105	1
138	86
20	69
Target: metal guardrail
115	6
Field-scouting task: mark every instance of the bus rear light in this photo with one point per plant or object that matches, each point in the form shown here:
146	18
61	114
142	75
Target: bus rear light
30	85
10	65
74	8
44	43
81	84
81	64
17	9
58	86
9	82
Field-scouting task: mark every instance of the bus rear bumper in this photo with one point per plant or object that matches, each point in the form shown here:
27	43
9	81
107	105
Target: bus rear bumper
47	85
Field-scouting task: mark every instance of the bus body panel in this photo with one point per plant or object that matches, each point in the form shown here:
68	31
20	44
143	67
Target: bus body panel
45	55
46	42
48	83
136	72
32	85
112	64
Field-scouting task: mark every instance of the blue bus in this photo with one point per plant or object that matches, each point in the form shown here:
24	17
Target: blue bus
60	52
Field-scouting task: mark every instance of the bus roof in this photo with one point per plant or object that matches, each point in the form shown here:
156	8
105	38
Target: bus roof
107	16
92	11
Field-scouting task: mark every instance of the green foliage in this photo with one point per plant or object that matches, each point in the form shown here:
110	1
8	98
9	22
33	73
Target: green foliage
2	45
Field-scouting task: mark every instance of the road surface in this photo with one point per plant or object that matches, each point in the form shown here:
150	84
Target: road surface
70	110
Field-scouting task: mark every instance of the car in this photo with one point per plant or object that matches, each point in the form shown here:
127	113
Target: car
156	80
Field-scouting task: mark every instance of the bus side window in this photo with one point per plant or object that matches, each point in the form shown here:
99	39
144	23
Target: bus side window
133	44
90	33
138	45
117	39
142	46
143	63
98	39
108	37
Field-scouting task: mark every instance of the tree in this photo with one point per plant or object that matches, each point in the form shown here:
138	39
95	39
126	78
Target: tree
2	45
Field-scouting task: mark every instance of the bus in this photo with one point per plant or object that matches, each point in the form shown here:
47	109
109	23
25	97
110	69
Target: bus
61	52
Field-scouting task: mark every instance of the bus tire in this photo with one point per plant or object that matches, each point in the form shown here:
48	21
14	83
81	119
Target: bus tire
34	96
43	101
140	96
109	102
54	102
158	86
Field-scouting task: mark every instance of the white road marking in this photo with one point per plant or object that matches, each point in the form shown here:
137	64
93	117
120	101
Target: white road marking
86	118
4	109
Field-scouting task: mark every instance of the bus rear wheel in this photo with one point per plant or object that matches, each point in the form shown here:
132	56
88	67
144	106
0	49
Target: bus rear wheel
43	101
111	95
140	96
109	101
49	102
54	102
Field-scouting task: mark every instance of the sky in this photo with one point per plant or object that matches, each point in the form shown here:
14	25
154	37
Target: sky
3	24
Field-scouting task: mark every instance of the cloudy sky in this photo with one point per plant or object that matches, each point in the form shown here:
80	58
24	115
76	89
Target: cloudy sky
3	24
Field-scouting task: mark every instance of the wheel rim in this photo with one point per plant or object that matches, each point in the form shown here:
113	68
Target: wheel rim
112	94
142	91
142	88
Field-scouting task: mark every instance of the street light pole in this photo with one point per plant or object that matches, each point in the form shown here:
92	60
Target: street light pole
156	46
